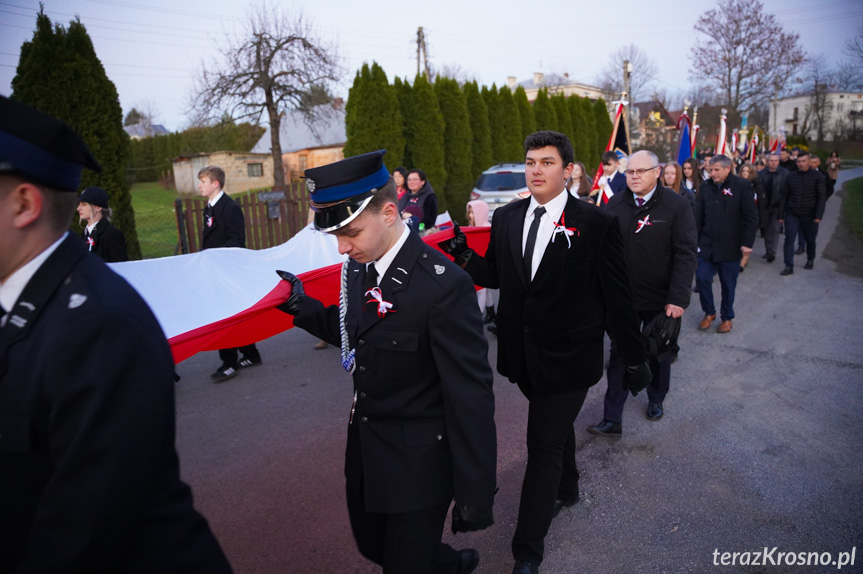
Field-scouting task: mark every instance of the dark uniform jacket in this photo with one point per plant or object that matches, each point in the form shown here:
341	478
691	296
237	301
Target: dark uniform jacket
107	242
551	329
424	408
224	225
88	467
660	243
804	195
726	219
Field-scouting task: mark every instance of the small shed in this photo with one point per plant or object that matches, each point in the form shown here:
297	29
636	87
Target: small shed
243	170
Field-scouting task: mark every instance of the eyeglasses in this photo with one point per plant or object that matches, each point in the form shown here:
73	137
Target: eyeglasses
640	172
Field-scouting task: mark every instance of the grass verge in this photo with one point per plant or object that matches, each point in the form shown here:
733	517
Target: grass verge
154	219
852	206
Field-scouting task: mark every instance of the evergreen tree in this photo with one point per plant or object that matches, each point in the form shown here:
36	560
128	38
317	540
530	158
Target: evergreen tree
510	121
498	142
525	113
404	95
425	135
580	142
564	119
543	111
60	74
133	117
604	126
594	152
481	158
373	118
457	147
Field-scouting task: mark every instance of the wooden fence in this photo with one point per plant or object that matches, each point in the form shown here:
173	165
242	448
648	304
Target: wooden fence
272	217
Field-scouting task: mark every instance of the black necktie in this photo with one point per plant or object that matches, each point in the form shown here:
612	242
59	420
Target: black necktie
531	240
371	278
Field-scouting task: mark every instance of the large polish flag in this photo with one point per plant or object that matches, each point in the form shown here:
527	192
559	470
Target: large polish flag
226	297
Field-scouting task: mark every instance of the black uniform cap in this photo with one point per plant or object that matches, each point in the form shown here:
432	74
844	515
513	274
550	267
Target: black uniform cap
41	148
341	190
94	196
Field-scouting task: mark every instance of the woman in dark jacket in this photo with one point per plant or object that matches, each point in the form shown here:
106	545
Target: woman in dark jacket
748	172
422	195
691	179
99	235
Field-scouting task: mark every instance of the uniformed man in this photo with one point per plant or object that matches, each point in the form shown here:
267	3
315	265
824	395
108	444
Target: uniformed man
99	235
421	428
88	467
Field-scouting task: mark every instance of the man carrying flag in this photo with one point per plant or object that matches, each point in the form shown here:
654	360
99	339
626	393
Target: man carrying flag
608	180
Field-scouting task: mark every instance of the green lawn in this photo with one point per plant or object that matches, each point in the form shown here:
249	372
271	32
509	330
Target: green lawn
155	219
852	206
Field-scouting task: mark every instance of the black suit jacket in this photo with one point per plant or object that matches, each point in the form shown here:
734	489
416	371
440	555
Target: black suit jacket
425	407
551	329
88	467
726	219
227	228
108	242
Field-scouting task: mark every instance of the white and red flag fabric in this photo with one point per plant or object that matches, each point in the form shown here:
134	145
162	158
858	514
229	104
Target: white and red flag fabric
721	146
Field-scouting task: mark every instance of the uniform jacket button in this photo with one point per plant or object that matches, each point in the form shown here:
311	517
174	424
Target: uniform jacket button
364	419
361	342
395	343
439	437
424	255
362	395
362	369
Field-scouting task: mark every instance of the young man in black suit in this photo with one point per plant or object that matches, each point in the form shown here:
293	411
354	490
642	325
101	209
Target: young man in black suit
224	226
559	264
88	466
421	428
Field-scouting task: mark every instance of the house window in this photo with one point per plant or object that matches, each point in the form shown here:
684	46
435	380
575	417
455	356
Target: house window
794	127
304	163
255	169
840	106
795	113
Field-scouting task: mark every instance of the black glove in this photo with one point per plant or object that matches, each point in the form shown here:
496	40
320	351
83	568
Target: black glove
468	518
457	246
637	377
297	297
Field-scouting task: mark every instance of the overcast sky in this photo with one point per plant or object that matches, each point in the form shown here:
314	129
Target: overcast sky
151	48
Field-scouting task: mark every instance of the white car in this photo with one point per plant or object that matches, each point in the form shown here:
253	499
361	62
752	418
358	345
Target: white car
500	184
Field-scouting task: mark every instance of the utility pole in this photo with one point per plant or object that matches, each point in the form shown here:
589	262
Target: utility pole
421	48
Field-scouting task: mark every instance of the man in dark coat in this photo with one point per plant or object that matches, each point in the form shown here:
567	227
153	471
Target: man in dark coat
421	428
801	209
560	266
726	220
88	467
224	226
99	235
659	236
772	180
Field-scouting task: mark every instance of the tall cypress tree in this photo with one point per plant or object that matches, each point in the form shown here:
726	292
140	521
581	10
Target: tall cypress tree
404	95
481	158
543	110
580	141
60	74
564	119
457	147
498	143
525	113
594	151
604	126
425	136
511	123
373	117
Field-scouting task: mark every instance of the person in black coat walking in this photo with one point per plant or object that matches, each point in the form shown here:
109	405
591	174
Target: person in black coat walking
224	226
658	230
88	464
801	209
99	235
772	180
726	220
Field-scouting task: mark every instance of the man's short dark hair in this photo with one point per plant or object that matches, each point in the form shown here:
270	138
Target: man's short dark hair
608	156
722	160
545	138
419	172
803	153
215	173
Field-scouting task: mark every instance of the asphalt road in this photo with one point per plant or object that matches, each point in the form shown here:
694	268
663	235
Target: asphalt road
760	446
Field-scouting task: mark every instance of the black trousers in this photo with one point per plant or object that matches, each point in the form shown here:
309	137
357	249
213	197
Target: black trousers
403	543
616	394
230	357
551	470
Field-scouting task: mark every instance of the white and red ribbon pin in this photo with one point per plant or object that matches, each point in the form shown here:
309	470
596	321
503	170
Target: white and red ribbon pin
567	231
642	223
91	242
383	306
727	191
209	221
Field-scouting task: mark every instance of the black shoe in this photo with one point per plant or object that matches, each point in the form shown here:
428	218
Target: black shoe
654	411
561	504
492	329
809	264
787	271
771	258
468	561
245	363
224	373
800	251
525	568
607	428
764	256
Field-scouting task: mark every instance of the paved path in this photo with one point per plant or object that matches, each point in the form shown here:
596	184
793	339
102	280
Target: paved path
761	446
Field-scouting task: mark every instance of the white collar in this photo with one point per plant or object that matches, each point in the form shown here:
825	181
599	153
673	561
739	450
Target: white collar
91	227
14	285
383	264
647	196
554	208
215	200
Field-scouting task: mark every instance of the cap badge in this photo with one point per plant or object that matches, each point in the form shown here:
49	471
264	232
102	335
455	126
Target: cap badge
310	185
439	269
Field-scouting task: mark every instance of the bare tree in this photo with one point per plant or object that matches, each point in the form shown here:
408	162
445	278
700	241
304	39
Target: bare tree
817	111
743	52
854	47
277	65
643	72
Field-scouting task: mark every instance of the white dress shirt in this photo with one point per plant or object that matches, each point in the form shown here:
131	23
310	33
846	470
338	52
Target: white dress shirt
382	264
553	211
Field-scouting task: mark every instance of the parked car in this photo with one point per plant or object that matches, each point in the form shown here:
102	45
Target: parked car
500	184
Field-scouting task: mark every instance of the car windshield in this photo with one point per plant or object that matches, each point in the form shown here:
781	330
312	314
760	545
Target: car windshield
501	181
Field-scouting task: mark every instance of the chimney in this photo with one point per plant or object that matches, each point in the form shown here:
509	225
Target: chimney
511	82
338	103
538	78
